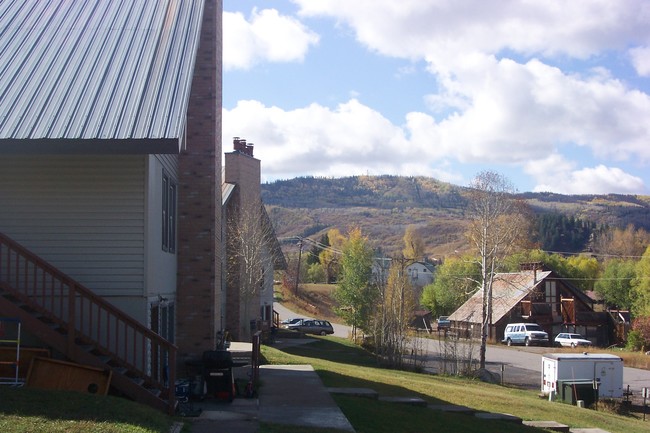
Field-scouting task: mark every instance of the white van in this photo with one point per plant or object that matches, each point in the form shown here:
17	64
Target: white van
525	333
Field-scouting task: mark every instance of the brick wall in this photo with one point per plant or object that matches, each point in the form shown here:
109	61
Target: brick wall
199	199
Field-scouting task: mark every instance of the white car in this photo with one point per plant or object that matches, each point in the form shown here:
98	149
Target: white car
567	339
289	322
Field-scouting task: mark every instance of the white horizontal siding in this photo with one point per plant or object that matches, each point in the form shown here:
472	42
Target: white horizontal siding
83	214
160	265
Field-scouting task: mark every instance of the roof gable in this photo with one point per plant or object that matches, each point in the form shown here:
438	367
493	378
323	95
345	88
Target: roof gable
508	289
80	70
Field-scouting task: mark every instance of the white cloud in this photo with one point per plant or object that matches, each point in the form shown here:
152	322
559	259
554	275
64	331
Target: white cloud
267	36
489	109
351	139
440	29
590	180
513	113
354	139
499	110
641	60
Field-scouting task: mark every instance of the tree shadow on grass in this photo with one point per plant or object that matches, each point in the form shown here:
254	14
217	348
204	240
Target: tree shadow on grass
374	415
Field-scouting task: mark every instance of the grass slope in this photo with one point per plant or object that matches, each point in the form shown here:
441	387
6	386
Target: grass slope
341	364
48	411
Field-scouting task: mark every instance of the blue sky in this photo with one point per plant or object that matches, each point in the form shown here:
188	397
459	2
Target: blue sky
554	95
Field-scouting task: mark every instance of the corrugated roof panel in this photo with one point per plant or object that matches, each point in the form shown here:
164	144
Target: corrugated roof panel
92	69
508	289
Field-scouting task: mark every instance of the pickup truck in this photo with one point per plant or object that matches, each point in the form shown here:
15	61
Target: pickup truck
443	322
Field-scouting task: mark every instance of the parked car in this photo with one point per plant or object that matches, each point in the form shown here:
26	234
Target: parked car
293	321
526	334
443	322
318	327
567	339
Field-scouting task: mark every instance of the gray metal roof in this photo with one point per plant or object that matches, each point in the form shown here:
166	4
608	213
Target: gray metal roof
116	72
508	289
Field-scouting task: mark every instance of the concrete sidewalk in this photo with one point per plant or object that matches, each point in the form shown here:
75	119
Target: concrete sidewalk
289	394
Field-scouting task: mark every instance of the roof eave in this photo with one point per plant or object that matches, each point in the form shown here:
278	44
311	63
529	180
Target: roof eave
109	146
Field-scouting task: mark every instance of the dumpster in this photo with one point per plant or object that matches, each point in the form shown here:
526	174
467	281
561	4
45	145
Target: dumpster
217	373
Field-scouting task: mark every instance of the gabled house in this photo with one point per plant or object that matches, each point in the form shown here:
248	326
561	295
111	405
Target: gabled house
110	183
533	295
421	273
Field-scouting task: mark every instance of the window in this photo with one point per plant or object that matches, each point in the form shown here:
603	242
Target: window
168	214
551	295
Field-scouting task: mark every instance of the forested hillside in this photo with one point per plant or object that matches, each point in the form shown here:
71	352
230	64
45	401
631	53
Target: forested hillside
383	206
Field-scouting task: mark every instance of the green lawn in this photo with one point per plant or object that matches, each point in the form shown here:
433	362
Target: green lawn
341	364
47	411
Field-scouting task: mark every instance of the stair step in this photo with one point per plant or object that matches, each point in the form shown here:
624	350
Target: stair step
137	380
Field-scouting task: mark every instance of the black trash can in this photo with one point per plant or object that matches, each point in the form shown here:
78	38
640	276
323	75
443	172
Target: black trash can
217	373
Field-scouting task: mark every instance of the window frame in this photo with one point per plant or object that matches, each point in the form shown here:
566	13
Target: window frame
168	214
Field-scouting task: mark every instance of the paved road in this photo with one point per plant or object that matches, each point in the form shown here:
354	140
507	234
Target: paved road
523	365
520	366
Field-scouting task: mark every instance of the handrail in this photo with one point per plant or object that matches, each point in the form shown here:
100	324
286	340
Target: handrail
276	319
89	319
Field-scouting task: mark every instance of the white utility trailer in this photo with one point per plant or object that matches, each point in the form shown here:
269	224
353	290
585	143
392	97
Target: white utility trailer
605	371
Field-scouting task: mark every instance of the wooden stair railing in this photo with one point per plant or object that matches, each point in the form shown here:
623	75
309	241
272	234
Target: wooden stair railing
85	327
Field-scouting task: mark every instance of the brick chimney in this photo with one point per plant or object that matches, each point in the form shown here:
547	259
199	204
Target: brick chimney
240	145
198	298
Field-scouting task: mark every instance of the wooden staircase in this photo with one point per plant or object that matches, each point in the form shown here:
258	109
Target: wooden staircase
85	328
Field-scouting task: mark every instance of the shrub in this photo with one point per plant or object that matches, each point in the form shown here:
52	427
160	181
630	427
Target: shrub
639	336
642	324
635	341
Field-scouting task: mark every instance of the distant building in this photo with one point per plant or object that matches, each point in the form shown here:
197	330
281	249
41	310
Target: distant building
421	273
241	198
535	295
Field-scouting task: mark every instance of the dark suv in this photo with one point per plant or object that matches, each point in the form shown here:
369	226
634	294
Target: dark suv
319	327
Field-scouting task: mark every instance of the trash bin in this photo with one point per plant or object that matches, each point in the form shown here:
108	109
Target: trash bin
217	373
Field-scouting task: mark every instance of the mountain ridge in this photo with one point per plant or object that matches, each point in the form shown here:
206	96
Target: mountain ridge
383	206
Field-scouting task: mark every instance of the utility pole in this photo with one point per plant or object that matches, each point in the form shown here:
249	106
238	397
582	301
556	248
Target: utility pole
295	291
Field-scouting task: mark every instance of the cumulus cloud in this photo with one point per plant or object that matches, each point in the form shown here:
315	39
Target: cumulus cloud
515	112
265	36
641	60
438	29
351	139
591	180
501	97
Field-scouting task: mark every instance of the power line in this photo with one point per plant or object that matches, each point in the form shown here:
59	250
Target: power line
314	243
568	253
